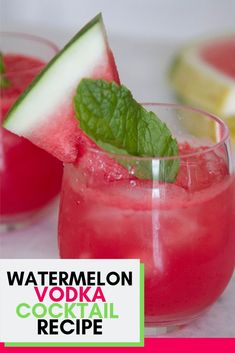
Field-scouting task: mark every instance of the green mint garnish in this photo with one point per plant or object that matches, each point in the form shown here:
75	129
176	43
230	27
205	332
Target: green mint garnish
4	82
112	118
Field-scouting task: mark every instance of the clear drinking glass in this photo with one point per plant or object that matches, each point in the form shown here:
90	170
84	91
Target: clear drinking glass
29	177
114	206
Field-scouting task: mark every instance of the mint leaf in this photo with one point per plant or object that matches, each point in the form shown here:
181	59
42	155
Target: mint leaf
4	82
112	118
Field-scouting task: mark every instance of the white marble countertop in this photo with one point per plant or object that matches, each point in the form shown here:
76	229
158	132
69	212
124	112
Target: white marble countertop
142	66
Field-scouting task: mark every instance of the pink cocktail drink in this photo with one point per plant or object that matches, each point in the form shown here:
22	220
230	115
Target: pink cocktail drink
183	231
29	177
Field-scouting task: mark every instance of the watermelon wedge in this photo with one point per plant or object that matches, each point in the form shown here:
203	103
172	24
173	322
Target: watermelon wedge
203	75
44	112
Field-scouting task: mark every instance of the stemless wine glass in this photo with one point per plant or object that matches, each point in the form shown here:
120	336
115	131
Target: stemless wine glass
29	177
175	214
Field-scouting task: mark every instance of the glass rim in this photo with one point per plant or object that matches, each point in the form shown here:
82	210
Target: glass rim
212	117
30	37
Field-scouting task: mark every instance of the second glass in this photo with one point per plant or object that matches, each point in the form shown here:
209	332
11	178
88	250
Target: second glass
29	177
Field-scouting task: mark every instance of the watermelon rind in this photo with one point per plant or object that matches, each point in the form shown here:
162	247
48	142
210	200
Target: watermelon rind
45	107
200	84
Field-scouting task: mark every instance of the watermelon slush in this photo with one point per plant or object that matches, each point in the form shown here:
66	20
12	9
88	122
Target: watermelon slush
30	177
183	232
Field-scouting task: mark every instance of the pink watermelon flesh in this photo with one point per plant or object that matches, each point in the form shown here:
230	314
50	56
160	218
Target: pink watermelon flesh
61	135
220	55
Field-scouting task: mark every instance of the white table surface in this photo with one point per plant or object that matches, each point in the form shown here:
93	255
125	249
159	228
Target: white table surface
142	66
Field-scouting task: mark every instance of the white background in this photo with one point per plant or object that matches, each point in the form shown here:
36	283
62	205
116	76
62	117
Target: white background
179	19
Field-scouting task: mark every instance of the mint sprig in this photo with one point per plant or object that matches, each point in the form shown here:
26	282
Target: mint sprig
112	118
4	82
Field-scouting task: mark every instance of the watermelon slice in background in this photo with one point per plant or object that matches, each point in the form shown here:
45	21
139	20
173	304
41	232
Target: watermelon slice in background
203	75
44	112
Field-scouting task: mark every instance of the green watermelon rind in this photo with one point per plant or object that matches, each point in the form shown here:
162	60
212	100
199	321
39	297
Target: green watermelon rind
96	20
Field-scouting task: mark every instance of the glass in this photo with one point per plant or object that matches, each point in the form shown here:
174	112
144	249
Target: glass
183	231
30	178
